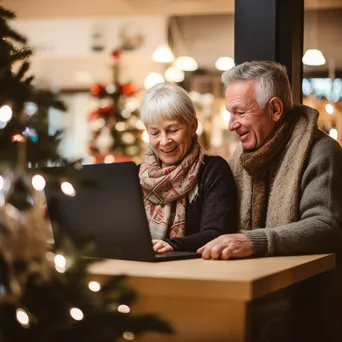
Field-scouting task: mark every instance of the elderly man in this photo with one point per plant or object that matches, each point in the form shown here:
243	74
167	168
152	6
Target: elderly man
288	172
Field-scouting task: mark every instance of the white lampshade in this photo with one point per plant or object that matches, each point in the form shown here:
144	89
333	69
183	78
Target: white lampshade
313	57
153	79
185	63
174	75
224	63
163	54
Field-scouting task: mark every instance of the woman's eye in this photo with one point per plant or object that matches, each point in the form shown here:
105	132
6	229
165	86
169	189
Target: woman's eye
154	133
173	130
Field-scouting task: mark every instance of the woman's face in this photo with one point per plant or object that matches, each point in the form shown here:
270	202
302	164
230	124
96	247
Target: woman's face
171	139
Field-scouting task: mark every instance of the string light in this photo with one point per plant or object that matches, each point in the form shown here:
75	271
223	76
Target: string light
333	133
5	113
60	263
123	308
94	286
109	159
18	138
76	314
127	335
22	317
329	108
38	182
68	189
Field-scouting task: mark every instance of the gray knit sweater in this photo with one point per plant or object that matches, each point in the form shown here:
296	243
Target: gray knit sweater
319	226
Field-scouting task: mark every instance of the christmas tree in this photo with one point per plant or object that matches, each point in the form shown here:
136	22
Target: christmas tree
46	293
115	125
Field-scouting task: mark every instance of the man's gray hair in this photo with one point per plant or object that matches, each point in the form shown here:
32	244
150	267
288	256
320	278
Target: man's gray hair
270	80
166	101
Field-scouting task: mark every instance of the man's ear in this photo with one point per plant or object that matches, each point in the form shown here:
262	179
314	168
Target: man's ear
194	127
277	108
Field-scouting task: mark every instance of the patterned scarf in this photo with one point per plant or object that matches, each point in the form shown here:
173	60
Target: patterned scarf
281	201
165	191
262	165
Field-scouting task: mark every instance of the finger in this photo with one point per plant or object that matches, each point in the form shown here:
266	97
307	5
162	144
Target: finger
208	245
164	249
158	245
154	241
227	253
216	251
212	252
201	249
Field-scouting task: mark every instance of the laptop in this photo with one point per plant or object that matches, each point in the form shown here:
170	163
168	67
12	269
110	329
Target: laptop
109	212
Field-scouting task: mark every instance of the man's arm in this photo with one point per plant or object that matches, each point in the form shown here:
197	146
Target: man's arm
319	229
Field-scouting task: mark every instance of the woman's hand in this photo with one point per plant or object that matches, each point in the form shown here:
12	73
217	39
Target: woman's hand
160	246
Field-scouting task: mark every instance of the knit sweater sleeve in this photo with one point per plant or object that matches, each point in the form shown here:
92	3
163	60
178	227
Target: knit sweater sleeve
217	206
319	229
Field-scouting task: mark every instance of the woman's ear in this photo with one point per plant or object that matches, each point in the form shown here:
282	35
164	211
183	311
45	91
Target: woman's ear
277	108
194	127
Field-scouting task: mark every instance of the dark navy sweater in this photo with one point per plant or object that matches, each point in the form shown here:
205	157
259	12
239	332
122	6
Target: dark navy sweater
213	211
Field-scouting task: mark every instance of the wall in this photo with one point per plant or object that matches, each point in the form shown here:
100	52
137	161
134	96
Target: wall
64	48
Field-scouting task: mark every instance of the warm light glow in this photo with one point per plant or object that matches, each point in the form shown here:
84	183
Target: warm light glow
127	335
109	159
38	182
174	75
68	189
333	133
76	314
139	124
329	108
94	286
1	183
22	317
199	130
124	308
224	63
163	54
121	126
18	138
313	57
226	115
110	88
5	113
145	138
153	79
185	63
60	263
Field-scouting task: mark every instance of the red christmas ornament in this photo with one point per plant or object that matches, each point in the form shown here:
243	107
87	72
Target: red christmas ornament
107	111
96	89
116	53
128	88
93	115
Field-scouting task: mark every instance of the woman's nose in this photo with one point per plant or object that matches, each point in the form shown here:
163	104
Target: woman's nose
164	139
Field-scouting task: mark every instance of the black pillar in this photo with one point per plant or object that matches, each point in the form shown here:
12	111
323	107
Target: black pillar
271	30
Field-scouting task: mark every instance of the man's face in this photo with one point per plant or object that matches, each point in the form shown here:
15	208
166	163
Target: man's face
252	124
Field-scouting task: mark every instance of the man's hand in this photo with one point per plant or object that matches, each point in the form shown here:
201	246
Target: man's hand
227	246
160	246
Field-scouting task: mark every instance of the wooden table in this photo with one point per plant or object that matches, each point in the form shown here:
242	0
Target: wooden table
208	300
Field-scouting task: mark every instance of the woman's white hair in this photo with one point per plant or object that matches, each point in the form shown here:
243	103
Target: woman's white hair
270	79
166	101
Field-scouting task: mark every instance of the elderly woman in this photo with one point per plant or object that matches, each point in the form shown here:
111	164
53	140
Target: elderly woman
189	196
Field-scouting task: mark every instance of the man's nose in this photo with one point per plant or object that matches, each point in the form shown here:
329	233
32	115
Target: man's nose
233	124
